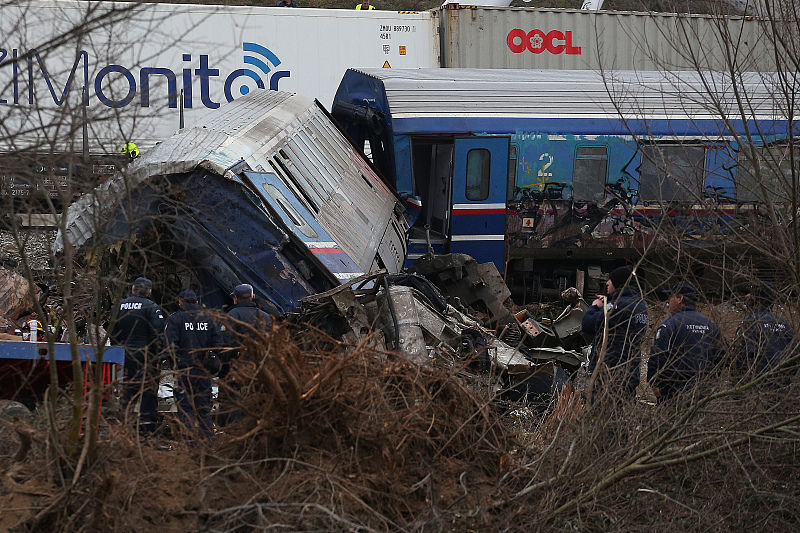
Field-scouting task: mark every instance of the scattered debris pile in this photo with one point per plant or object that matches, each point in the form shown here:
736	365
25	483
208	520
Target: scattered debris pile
407	313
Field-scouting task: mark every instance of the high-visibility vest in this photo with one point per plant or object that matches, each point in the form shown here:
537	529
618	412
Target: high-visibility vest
358	7
131	150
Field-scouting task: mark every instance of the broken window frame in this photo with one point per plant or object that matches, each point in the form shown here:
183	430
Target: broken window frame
585	191
680	189
777	186
282	170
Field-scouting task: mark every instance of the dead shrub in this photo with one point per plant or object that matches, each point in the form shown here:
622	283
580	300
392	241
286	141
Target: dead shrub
338	437
394	437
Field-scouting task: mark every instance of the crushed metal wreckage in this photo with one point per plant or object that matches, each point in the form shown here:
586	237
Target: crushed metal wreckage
268	193
414	316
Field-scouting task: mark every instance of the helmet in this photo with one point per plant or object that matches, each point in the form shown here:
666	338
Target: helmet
130	150
32	325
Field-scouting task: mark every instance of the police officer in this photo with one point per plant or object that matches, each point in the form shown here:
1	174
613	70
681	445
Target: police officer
763	339
245	311
244	316
192	334
627	320
139	326
687	344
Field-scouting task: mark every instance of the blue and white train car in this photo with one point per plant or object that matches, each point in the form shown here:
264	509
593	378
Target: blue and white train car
552	174
268	192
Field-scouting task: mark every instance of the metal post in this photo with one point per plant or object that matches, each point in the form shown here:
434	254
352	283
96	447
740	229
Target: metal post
85	128
180	125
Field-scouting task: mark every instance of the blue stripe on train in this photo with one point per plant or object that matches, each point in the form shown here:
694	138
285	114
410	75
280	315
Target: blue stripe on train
580	126
480	224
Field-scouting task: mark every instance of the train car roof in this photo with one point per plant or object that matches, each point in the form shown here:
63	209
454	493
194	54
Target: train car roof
471	100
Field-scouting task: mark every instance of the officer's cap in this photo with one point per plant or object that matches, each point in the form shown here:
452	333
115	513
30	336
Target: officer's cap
142	283
683	289
242	291
188	295
620	275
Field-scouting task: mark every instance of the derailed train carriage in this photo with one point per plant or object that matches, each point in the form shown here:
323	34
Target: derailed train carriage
269	193
558	176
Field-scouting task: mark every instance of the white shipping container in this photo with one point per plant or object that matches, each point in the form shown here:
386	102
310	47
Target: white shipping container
572	39
145	64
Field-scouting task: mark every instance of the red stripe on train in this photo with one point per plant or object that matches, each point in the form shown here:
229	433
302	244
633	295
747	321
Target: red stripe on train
479	211
327	250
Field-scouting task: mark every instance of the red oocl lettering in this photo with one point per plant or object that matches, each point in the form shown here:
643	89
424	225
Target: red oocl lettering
516	47
537	41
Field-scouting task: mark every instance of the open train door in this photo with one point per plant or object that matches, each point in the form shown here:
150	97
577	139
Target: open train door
480	167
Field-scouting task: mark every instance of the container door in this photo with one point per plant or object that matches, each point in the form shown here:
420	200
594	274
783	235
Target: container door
480	169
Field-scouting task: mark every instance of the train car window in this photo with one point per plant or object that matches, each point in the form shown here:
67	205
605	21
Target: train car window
589	176
292	214
672	173
773	178
478	165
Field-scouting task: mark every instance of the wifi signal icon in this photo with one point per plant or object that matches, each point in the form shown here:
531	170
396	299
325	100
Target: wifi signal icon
261	62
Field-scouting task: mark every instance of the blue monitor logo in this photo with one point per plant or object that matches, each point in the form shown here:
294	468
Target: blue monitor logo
263	75
260	57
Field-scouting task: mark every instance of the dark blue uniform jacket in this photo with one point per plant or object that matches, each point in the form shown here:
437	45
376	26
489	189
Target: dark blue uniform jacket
686	344
139	325
627	321
763	341
249	313
189	332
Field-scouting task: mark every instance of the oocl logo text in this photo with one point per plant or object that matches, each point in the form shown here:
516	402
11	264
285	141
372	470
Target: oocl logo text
537	41
24	76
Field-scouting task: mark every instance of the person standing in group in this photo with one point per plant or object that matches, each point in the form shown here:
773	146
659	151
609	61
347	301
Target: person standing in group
138	327
626	315
763	339
687	344
245	311
243	317
192	334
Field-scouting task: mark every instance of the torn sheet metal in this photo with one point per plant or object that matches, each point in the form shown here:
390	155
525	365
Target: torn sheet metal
407	317
568	323
319	208
478	286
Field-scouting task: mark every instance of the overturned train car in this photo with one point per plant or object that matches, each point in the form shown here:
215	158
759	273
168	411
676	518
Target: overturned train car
269	193
559	176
